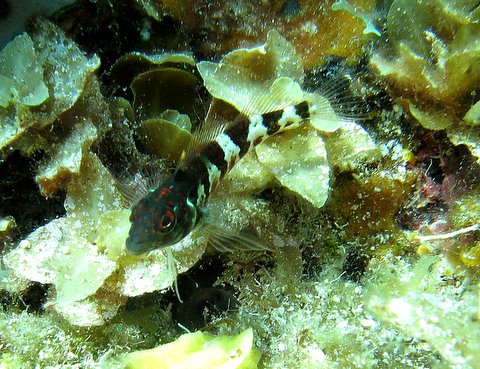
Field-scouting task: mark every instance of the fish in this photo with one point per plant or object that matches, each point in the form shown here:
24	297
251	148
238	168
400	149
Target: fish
172	210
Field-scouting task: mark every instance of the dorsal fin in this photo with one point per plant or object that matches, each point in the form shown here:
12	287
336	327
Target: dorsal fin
274	96
219	116
135	186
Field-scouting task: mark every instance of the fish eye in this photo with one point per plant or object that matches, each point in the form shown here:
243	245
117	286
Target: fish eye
167	221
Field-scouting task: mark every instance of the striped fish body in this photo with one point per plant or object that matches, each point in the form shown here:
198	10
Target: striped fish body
170	212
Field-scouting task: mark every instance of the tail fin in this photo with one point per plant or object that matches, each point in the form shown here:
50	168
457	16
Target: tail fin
333	104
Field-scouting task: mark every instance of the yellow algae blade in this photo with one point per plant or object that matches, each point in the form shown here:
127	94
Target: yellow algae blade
201	351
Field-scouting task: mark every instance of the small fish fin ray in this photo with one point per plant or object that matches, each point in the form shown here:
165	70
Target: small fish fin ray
334	104
227	240
135	186
274	96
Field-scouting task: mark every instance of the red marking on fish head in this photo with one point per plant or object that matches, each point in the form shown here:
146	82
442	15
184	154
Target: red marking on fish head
160	219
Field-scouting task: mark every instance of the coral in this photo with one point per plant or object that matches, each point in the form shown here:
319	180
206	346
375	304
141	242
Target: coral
199	350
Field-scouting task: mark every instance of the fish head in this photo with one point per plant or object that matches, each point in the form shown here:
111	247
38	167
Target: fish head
162	218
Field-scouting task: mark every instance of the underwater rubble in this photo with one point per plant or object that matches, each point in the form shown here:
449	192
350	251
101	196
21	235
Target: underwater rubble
370	214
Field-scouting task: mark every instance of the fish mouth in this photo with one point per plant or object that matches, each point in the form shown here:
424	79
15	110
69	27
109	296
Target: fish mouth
138	248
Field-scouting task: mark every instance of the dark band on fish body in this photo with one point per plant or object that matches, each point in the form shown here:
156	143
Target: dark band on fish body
195	171
270	120
302	110
238	133
214	153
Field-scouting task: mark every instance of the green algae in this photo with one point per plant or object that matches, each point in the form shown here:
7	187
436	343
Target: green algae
21	78
160	89
304	172
165	138
434	70
252	72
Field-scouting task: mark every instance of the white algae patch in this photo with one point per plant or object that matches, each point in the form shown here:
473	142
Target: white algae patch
46	69
21	78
